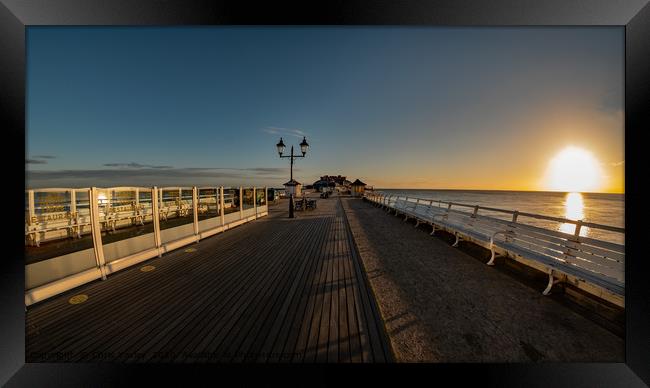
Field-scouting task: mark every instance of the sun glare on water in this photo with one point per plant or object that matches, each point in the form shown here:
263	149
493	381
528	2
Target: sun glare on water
574	210
574	170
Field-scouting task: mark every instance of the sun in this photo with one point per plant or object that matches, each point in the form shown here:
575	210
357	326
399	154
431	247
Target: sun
574	170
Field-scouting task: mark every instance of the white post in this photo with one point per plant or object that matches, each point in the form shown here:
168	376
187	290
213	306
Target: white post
223	216
73	202
137	198
30	200
577	232
266	197
73	212
576	238
255	200
97	232
510	228
196	213
241	203
156	220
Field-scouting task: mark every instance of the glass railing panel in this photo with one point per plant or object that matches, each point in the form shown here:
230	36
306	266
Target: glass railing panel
176	213
208	203
209	208
248	202
260	198
49	229
58	238
125	221
231	200
170	208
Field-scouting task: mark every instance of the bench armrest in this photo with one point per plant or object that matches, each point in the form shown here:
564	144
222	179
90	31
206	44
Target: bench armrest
504	232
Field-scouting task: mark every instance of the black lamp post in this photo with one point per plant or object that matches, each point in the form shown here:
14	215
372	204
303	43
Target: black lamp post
303	148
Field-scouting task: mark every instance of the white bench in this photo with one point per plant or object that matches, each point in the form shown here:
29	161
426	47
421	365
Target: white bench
34	230
594	261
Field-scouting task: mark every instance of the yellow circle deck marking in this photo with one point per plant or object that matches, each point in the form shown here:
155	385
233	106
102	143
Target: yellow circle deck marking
78	299
147	268
188	250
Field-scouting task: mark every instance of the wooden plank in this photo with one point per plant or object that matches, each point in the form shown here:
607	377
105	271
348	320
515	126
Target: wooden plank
278	333
333	337
377	339
275	293
362	319
296	336
354	334
317	348
343	284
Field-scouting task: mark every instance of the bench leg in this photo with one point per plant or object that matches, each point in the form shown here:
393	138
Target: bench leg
33	239
491	262
417	222
551	282
455	244
406	218
433	230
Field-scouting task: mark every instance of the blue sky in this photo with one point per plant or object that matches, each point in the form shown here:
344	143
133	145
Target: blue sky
395	106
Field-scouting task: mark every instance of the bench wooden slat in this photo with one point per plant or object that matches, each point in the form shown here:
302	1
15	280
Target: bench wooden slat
597	259
596	250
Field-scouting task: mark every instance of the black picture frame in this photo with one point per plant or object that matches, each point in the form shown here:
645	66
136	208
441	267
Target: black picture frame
16	15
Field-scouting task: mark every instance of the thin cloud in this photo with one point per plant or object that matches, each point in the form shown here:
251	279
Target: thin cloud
35	161
44	157
168	176
135	165
616	164
284	131
258	170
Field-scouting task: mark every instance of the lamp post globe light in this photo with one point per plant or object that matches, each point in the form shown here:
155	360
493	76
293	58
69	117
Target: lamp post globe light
304	146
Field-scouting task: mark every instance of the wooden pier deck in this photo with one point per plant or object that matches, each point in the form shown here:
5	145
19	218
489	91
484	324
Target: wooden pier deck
274	290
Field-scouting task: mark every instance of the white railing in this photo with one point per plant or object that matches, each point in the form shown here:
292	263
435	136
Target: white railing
595	265
76	235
